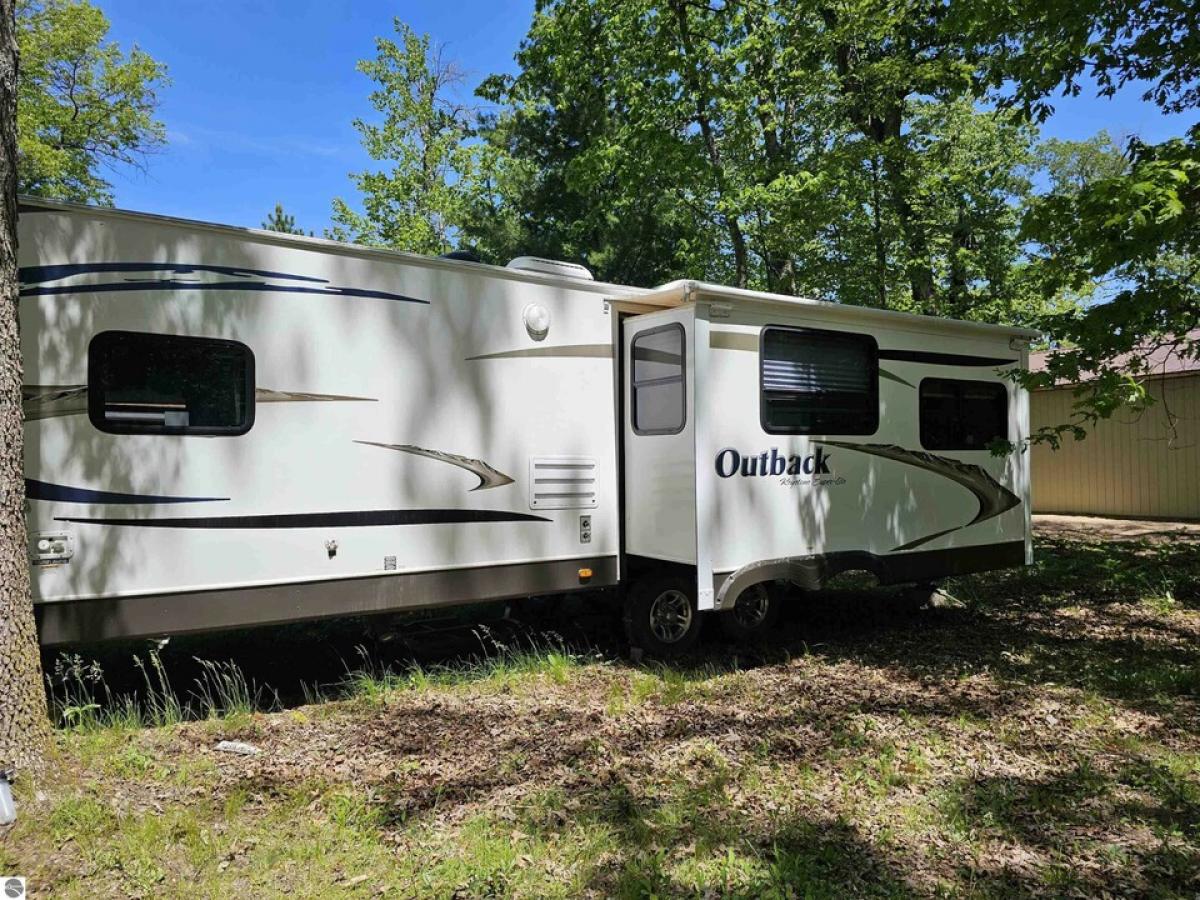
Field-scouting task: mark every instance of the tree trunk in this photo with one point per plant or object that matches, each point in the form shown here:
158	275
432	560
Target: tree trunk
957	294
24	726
877	233
881	120
691	77
895	171
780	267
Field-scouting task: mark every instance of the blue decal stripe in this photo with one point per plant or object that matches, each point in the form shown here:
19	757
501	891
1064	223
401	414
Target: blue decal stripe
371	518
945	359
61	493
69	270
37	281
231	286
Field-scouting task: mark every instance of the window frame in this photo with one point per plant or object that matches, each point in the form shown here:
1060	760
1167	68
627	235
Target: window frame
634	384
96	398
869	428
959	381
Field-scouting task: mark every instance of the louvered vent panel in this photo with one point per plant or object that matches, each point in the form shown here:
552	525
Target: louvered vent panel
562	482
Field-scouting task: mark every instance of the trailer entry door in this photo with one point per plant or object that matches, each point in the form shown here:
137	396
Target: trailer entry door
659	434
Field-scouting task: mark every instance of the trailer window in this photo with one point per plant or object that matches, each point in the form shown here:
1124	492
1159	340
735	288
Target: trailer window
659	398
818	382
962	415
168	384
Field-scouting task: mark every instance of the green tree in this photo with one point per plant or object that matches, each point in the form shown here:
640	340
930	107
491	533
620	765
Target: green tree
1134	228
416	203
84	105
1138	234
627	110
1072	166
75	104
586	169
282	222
1037	48
799	147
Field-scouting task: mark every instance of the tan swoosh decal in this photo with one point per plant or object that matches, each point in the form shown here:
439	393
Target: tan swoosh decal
268	395
891	376
994	498
488	477
575	351
46	401
732	340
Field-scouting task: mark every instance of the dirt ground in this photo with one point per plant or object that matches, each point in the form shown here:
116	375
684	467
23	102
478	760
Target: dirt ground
1092	528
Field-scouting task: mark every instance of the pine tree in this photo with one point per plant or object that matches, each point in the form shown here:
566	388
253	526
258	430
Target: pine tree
282	222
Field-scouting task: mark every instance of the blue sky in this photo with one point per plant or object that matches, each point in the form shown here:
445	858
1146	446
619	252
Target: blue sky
263	95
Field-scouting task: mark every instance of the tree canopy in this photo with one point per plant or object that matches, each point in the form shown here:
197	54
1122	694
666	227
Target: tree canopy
1131	229
780	146
414	203
873	152
83	104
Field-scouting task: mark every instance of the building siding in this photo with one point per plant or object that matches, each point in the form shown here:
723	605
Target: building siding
1133	464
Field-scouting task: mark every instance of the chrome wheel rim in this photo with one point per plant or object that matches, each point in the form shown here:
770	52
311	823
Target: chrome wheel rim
670	616
751	607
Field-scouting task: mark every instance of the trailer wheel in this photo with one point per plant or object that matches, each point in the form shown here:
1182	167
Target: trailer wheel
661	618
754	614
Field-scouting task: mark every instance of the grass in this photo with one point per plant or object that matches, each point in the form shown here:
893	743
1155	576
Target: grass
80	698
1042	737
497	667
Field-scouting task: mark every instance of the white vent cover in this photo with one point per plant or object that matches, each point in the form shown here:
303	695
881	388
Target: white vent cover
562	482
550	267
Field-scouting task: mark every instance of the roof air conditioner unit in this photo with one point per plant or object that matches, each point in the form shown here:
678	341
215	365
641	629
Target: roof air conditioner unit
550	267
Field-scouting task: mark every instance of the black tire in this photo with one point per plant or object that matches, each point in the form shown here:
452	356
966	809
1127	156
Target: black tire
657	606
754	615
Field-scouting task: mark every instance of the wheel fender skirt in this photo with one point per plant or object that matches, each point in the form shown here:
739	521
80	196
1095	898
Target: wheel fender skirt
810	572
806	572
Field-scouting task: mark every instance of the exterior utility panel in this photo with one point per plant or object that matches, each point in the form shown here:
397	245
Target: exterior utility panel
229	427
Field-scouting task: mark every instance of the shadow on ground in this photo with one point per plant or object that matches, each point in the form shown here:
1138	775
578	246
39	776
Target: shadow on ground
1039	735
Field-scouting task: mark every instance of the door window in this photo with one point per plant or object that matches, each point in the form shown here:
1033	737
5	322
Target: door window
659	398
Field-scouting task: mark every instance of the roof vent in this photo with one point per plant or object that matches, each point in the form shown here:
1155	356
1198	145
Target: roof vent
550	267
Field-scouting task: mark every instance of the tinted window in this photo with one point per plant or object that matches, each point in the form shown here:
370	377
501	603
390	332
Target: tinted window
659	400
819	382
962	415
167	384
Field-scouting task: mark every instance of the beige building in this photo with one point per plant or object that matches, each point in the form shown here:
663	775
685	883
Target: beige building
1141	464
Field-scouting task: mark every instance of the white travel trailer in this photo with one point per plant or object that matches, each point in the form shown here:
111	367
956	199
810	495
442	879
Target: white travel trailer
230	427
